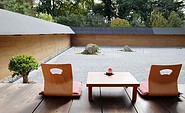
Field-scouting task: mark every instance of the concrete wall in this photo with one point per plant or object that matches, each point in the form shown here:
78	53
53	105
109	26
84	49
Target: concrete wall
39	46
131	40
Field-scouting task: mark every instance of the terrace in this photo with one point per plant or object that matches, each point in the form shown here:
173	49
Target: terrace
24	98
105	100
151	46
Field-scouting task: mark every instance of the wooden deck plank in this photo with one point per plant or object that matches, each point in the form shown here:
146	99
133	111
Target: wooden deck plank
54	105
173	104
115	100
147	104
9	93
20	98
24	98
82	105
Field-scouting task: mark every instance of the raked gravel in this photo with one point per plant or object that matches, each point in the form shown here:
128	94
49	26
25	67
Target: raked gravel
137	63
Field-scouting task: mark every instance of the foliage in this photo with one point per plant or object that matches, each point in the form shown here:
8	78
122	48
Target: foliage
81	20
119	23
91	49
143	9
70	20
45	6
64	8
21	65
127	8
136	20
98	8
91	13
95	20
174	20
19	6
1	4
167	6
109	9
46	17
157	20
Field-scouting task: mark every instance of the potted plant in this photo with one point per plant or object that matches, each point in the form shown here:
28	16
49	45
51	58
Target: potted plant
22	65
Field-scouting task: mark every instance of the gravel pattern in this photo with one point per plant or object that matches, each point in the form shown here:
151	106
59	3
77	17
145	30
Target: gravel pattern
137	63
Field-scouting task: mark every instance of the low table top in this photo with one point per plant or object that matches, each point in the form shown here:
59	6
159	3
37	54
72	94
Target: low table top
119	79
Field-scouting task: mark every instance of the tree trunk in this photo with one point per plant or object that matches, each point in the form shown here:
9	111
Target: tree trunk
25	79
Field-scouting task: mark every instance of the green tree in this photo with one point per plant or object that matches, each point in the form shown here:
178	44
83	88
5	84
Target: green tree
70	20
136	20
119	23
98	8
82	20
95	20
46	16
141	8
45	6
64	8
19	6
167	6
108	9
157	19
1	4
174	20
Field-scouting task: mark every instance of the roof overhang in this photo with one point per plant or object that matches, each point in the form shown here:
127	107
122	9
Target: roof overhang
17	24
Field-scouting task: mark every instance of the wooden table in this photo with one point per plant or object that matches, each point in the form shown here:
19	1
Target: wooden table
119	79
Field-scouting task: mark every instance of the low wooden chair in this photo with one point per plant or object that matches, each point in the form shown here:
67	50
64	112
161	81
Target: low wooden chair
58	80
162	81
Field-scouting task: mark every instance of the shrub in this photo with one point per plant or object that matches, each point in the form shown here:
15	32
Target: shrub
174	20
22	65
91	49
119	23
157	19
46	17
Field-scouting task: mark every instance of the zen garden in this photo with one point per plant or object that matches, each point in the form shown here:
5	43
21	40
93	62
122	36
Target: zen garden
92	56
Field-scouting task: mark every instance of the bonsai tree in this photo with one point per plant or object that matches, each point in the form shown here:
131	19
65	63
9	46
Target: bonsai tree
22	65
91	49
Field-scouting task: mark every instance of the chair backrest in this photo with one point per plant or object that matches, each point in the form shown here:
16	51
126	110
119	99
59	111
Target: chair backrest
163	80
58	79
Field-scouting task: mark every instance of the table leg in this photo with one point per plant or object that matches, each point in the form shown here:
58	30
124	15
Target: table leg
90	93
134	94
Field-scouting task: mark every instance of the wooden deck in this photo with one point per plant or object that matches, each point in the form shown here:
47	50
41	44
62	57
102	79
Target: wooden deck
24	98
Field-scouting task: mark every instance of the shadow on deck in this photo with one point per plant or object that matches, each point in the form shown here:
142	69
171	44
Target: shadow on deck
24	98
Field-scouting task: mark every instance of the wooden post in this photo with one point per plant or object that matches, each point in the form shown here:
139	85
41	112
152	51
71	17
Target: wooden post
134	94
90	93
